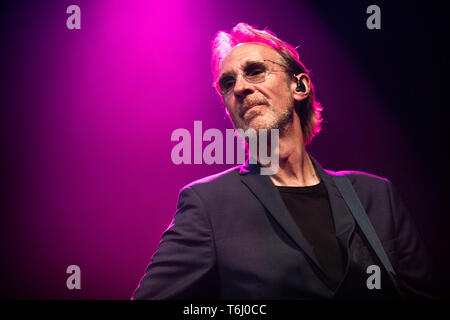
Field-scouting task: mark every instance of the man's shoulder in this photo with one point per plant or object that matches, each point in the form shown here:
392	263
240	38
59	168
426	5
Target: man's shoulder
220	179
362	180
359	176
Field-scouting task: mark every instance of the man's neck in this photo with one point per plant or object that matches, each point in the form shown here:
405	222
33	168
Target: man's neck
295	166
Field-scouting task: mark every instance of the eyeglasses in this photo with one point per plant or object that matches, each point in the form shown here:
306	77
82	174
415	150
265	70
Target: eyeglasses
252	72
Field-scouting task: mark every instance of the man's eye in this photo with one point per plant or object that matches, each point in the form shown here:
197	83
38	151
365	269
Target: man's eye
227	83
255	70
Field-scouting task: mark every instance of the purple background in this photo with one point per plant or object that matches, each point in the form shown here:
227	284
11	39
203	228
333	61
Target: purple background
87	115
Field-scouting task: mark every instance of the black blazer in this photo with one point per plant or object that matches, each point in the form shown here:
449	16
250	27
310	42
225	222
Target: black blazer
233	238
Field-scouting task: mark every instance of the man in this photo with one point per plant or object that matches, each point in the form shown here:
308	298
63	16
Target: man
291	235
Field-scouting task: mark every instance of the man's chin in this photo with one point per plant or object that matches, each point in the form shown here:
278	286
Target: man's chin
255	125
258	121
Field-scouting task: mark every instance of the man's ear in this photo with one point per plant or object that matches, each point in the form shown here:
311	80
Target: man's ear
301	86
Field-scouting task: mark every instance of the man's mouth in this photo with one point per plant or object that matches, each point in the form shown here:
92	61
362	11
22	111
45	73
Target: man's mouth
247	109
250	108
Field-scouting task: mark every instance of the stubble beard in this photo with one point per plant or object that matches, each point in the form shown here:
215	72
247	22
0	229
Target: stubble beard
272	120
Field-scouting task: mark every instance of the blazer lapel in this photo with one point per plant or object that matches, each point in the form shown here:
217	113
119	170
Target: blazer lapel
266	192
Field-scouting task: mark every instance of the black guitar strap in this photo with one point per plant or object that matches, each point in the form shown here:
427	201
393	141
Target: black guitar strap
351	198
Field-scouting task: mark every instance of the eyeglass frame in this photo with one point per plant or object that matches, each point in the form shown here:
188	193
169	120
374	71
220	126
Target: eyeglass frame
219	91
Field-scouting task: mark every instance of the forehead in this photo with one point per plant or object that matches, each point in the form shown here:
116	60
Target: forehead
242	53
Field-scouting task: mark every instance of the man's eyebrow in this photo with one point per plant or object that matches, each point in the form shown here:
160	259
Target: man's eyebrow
226	74
250	62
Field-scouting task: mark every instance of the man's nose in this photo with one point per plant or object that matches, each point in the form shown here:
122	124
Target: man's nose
242	87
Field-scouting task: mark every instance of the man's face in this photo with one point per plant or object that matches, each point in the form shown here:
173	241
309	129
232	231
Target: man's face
265	105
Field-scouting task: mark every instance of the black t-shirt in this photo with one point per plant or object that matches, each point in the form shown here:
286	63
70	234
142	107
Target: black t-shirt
310	208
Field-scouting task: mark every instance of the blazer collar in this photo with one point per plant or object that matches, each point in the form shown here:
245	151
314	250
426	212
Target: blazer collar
266	192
